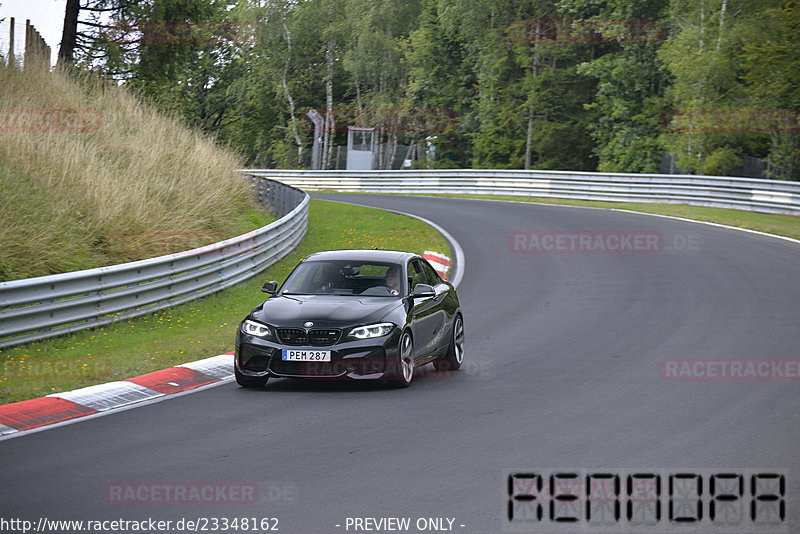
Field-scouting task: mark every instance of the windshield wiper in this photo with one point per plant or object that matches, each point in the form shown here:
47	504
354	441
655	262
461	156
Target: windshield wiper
292	298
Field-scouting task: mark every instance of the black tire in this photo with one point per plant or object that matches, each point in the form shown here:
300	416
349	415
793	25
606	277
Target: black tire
403	366
455	352
249	381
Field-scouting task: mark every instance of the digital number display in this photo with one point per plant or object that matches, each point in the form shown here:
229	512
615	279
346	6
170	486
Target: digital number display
627	500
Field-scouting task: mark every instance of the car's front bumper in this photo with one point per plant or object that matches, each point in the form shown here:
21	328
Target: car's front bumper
367	359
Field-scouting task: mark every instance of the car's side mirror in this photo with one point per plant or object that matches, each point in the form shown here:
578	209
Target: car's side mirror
270	288
422	291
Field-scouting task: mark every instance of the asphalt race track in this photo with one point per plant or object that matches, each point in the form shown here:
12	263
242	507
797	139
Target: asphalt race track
567	369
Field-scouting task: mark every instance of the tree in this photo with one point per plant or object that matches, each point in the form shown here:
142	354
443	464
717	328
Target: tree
701	54
376	64
770	59
441	86
558	84
66	51
84	32
631	80
283	79
527	96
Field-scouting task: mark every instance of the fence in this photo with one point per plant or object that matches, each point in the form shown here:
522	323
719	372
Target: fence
36	52
749	167
768	196
47	306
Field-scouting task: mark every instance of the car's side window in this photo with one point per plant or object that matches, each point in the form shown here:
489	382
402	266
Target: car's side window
415	275
418	276
430	273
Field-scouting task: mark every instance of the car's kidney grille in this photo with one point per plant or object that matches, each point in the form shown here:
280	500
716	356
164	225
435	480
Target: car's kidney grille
323	337
292	336
317	337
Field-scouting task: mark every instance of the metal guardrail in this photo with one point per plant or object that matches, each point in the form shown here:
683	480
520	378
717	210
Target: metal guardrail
768	196
47	306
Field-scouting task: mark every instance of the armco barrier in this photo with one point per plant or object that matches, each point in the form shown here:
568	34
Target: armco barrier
769	196
47	306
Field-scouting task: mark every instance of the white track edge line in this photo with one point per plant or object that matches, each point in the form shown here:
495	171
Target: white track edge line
675	217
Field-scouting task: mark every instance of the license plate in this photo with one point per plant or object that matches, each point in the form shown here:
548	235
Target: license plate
306	355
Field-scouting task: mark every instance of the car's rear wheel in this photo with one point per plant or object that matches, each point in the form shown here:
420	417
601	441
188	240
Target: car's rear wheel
455	352
403	368
249	381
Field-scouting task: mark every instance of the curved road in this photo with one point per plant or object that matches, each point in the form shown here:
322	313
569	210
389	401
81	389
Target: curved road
566	355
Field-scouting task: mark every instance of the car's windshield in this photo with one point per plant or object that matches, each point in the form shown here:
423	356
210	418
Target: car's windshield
345	278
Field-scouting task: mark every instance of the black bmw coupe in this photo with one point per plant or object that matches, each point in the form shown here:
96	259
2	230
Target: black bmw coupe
352	314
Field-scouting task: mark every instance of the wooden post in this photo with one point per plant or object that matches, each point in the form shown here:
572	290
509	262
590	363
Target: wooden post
41	46
26	62
11	45
36	49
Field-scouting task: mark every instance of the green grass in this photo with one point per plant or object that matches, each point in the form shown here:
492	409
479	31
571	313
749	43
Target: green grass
202	328
784	225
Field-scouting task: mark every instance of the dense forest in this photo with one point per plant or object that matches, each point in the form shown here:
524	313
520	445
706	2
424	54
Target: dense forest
609	85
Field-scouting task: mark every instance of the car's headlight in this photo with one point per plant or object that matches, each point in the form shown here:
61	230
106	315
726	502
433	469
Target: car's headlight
373	330
257	329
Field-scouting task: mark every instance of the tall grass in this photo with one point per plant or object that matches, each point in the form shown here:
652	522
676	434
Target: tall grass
122	182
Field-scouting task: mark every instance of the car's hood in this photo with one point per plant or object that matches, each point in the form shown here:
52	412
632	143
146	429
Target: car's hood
324	310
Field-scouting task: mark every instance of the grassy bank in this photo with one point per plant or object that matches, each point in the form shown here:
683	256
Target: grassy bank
199	329
89	176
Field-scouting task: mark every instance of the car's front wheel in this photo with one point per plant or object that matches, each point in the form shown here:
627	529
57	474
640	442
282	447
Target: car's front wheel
403	368
249	381
455	352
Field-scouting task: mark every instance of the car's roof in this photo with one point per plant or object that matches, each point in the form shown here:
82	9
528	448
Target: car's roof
362	255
